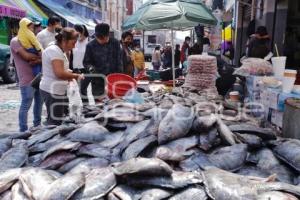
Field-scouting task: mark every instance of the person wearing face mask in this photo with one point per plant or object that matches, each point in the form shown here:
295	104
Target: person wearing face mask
103	56
185	50
138	59
77	54
47	36
56	74
126	42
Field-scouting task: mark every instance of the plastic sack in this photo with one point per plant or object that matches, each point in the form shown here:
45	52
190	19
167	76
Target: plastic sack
75	101
132	96
254	66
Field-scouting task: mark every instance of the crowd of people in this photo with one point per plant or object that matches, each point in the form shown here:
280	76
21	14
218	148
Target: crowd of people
54	56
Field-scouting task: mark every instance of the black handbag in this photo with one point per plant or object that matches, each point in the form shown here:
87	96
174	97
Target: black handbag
35	83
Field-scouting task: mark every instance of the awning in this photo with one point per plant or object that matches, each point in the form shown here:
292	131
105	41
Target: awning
10	11
32	10
68	15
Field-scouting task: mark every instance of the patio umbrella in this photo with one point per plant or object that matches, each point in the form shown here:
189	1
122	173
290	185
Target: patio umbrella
170	14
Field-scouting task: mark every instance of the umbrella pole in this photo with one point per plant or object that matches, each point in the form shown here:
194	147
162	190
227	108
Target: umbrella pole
173	59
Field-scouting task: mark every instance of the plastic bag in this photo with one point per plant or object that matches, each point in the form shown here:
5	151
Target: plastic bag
75	102
133	96
254	66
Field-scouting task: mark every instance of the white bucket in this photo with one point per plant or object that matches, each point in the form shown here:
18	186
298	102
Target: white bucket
278	66
288	84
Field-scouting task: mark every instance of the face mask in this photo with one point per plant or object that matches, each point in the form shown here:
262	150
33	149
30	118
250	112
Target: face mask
137	49
57	29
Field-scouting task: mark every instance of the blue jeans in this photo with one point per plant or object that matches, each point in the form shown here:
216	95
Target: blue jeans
28	94
36	69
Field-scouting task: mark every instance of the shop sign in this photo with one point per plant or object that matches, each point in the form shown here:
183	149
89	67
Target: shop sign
6	11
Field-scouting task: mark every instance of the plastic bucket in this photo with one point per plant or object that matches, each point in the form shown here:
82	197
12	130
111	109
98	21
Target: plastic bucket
278	66
288	84
119	84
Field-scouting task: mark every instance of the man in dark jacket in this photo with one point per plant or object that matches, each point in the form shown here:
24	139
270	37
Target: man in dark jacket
258	46
103	56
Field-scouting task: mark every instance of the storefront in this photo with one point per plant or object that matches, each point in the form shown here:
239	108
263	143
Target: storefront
9	22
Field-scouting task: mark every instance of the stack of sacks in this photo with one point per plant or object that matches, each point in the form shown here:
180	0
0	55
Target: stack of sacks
201	72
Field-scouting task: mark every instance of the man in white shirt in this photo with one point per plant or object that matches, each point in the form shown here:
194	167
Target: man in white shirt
46	36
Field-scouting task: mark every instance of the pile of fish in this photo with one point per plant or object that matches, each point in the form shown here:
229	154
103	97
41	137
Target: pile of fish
185	145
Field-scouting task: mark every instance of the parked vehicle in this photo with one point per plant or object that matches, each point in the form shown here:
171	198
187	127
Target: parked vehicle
149	50
7	71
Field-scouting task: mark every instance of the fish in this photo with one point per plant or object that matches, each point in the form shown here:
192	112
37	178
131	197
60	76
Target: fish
156	113
176	124
117	126
35	160
44	136
95	150
209	139
15	157
264	133
253	171
229	158
112	139
64	145
5	144
8	178
267	161
192	193
155	194
135	148
204	123
44	146
275	195
90	132
87	165
7	195
64	187
177	180
133	133
122	115
142	166
64	129
34	181
240	187
69	165
227	136
57	160
288	150
17	192
124	192
176	150
189	165
98	183
253	141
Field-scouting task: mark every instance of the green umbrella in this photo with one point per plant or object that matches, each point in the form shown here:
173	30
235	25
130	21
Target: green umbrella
170	14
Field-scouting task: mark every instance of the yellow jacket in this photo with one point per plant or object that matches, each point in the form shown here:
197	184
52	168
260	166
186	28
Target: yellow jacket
138	59
27	37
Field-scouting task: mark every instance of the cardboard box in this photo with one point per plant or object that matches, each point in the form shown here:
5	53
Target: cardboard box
277	118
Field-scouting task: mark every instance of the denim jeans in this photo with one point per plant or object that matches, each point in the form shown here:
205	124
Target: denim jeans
28	94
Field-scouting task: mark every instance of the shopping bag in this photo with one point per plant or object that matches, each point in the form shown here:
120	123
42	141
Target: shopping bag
75	101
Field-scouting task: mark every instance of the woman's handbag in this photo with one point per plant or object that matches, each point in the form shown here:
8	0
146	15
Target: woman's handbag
35	83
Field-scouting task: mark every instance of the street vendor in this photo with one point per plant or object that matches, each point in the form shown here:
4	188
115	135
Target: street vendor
258	46
103	56
126	43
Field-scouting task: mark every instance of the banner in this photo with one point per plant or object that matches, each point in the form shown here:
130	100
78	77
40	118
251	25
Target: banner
6	11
